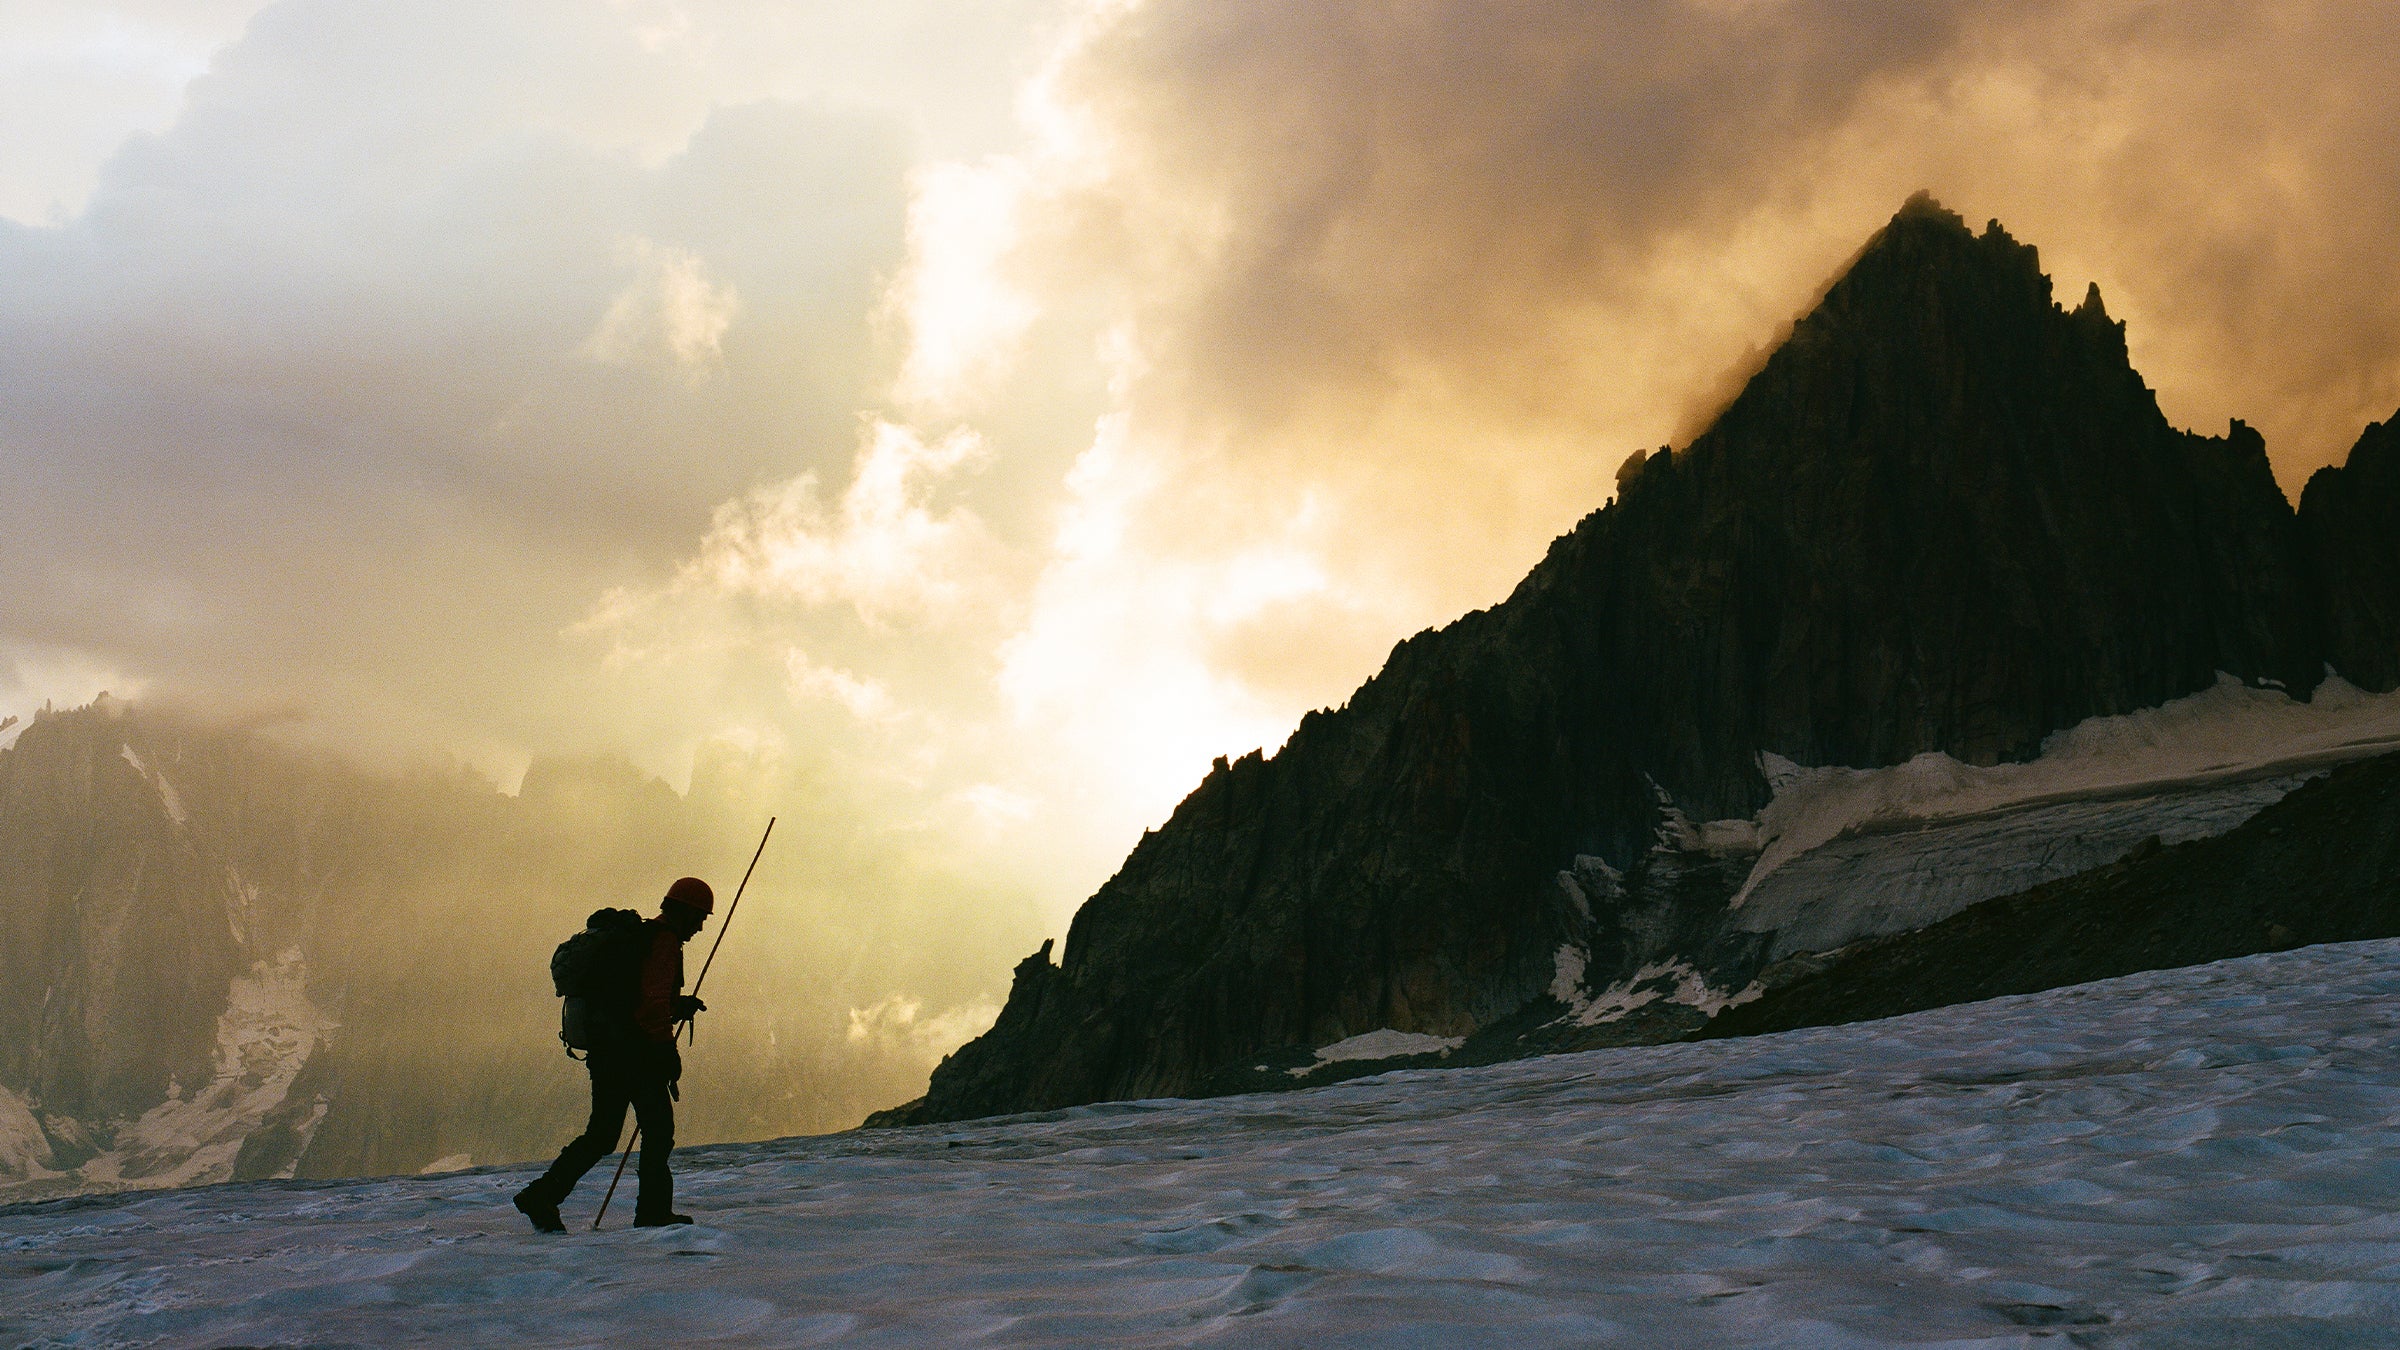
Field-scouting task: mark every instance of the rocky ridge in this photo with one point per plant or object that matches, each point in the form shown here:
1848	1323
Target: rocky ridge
2350	515
1946	516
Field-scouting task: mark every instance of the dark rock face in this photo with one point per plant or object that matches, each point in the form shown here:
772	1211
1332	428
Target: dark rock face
2322	865
2351	517
1945	516
119	939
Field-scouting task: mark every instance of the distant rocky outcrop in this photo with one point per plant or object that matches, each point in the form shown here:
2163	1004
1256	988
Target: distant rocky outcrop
2351	517
1945	516
122	941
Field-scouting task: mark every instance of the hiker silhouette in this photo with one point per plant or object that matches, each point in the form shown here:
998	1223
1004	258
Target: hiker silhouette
628	1031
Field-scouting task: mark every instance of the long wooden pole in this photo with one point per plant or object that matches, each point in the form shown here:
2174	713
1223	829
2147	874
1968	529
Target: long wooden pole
722	929
731	910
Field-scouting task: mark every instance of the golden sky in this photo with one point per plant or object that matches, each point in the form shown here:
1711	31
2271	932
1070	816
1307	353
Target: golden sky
992	411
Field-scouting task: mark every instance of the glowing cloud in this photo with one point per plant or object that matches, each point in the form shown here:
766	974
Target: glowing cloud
672	312
883	550
900	1023
962	314
865	699
1117	665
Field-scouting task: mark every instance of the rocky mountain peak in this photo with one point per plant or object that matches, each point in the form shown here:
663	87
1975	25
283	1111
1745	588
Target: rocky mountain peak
1945	515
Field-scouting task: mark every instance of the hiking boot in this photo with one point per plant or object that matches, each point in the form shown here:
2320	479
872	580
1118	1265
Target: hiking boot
659	1220
542	1212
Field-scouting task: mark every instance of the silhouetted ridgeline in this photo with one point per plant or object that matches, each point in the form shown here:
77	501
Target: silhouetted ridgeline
2351	517
1946	515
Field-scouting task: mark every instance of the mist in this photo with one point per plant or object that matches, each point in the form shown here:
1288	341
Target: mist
221	890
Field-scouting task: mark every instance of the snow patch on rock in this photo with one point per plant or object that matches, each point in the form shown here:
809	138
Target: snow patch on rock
265	1036
24	1149
1673	982
166	790
1679	833
1384	1044
1570	961
1880	881
241	905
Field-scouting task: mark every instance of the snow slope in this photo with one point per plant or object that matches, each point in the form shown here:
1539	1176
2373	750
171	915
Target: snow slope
2207	1156
264	1037
2223	736
1899	875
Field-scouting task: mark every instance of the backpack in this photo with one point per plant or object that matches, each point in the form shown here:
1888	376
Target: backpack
598	972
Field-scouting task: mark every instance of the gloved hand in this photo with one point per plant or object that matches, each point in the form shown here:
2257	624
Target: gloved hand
686	1005
664	1060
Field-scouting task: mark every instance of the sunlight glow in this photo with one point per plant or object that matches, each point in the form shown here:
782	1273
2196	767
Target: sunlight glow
964	316
883	549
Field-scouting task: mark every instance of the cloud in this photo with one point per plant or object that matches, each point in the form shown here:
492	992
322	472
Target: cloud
883	550
359	384
671	313
79	76
961	311
865	699
1329	210
33	677
1121	666
1389	291
898	1023
883	575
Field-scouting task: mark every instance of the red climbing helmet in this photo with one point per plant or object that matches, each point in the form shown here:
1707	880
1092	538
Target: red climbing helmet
693	894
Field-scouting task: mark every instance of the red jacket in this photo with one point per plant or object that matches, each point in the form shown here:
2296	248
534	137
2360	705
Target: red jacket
662	980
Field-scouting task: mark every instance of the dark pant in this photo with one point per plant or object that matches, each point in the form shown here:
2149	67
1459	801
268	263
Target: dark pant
621	1078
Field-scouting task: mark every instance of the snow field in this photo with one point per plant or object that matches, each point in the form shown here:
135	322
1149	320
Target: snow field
1877	882
2221	735
2198	1157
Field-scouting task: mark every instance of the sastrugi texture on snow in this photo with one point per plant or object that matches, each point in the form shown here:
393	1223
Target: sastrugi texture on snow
2196	1157
1946	517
